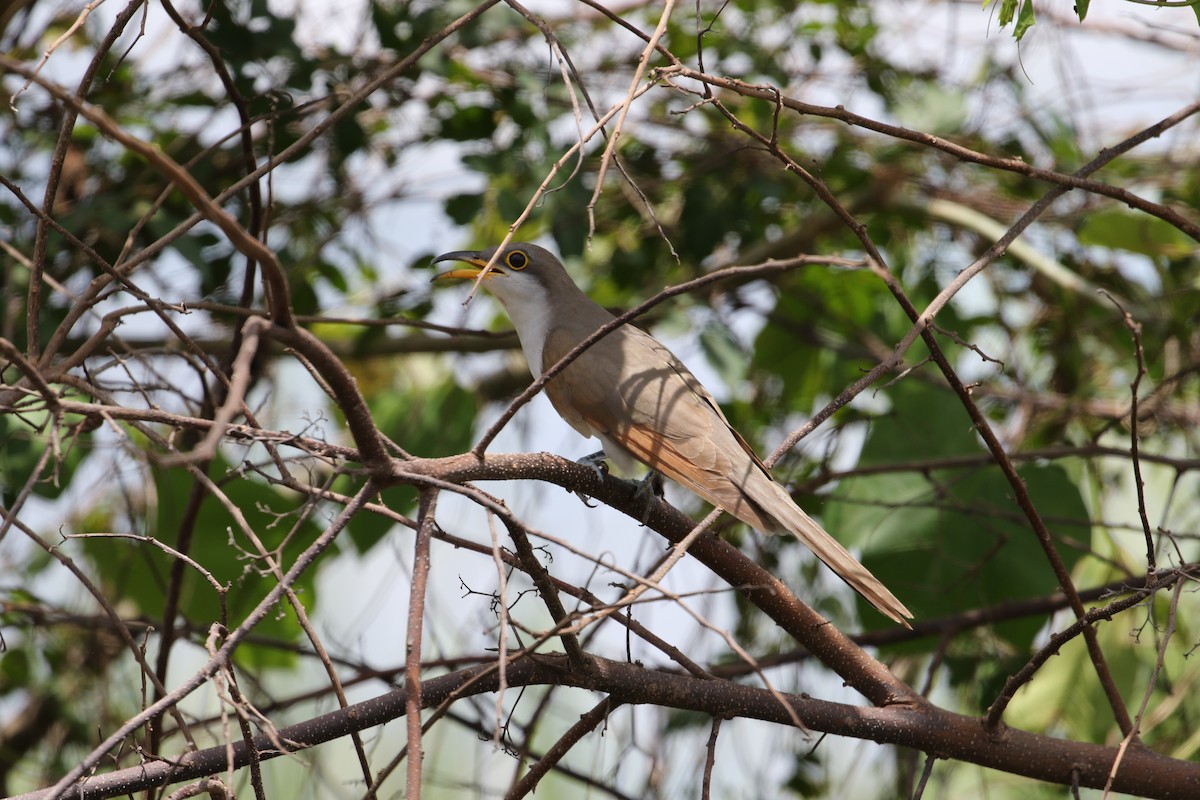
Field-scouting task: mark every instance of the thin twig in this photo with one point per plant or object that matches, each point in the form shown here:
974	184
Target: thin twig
932	730
754	271
546	588
257	615
930	760
1159	663
239	383
1080	626
416	619
274	275
586	724
1015	165
920	328
1135	330
619	126
710	756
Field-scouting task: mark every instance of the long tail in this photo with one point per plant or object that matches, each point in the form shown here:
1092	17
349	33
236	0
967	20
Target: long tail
724	471
779	506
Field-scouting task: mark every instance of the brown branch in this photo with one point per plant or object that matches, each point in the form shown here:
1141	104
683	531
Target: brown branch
110	611
954	624
926	772
1135	330
546	588
522	462
1062	180
761	588
416	619
57	162
235	694
32	373
239	384
586	724
564	473
528	752
984	459
926	728
1151	684
87	764
88	346
345	392
1081	625
274	275
1177	413
921	322
348	107
383	347
710	759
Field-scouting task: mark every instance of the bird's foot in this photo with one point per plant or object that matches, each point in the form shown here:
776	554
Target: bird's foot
597	461
649	488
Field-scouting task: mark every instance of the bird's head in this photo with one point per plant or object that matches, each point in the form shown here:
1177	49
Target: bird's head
522	273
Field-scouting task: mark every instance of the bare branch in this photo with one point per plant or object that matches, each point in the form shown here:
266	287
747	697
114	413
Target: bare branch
1046	758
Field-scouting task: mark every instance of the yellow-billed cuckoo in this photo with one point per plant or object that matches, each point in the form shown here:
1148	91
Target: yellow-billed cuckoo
643	404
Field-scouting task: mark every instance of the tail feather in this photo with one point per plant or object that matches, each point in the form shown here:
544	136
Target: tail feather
723	470
783	511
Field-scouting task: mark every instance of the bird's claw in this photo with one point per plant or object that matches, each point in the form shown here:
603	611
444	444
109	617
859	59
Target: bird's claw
598	461
650	488
598	464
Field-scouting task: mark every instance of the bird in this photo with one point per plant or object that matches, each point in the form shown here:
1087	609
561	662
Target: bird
634	395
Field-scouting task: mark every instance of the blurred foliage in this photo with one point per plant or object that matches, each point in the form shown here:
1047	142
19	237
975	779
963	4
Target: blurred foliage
138	572
1024	13
947	539
699	194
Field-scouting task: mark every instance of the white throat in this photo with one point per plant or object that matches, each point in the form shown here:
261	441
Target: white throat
530	311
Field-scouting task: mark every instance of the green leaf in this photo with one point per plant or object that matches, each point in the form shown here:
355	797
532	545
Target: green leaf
426	420
1137	233
933	108
22	445
1007	9
724	353
1065	696
951	539
1081	8
1025	21
15	671
334	275
470	123
348	137
799	346
682	720
464	208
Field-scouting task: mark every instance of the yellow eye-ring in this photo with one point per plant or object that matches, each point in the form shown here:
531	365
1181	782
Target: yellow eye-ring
517	260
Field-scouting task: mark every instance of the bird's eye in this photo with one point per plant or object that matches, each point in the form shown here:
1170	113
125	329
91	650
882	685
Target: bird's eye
517	260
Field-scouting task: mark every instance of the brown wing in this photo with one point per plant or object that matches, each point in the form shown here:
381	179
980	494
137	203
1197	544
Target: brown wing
636	393
704	470
698	389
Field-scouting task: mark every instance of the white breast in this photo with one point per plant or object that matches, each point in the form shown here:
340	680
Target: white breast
529	309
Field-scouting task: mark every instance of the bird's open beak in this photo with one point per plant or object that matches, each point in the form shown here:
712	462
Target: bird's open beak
476	260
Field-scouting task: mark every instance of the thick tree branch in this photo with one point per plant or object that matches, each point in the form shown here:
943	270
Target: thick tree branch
926	728
864	673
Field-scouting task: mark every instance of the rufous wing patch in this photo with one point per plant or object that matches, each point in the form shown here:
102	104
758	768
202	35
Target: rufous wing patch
709	480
